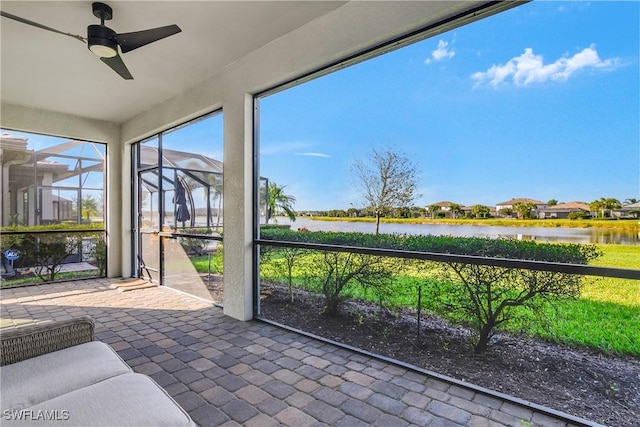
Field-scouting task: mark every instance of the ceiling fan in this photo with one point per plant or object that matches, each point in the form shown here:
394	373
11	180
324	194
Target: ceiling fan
105	42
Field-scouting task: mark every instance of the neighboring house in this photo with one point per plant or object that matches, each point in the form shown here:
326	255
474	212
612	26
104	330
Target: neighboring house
444	207
63	209
510	203
28	180
468	210
628	211
562	210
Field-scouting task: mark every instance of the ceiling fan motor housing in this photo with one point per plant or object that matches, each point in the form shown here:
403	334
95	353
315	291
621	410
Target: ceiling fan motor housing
102	11
101	41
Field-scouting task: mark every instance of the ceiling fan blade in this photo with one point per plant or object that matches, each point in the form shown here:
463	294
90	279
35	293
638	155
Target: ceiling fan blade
44	27
118	66
131	41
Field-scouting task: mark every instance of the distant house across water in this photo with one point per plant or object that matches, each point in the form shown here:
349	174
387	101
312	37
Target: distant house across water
563	210
628	211
509	204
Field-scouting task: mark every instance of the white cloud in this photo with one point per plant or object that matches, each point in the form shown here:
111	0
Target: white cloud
442	52
282	147
530	68
313	154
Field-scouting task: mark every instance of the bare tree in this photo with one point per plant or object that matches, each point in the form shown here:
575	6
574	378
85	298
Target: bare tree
386	179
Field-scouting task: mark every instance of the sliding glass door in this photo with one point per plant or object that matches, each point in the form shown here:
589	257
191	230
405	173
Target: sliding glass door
178	198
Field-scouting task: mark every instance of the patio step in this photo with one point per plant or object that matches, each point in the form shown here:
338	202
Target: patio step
131	284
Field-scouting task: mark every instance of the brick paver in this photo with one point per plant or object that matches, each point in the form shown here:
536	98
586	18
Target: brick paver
226	372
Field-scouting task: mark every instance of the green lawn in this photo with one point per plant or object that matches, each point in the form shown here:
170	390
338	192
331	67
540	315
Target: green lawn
203	264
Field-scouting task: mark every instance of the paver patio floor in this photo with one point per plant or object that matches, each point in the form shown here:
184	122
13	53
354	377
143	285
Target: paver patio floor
227	373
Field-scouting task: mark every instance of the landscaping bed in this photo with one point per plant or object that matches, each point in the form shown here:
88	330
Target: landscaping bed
582	382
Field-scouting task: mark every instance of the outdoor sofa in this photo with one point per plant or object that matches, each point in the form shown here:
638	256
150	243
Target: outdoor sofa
55	374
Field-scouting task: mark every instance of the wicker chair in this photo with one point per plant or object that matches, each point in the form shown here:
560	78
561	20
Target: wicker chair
23	343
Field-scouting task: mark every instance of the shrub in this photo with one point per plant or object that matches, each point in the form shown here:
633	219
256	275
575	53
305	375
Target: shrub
283	261
339	271
48	252
99	254
485	295
578	215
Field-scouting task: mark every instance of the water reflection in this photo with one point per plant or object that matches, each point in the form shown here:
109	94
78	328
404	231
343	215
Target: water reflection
540	234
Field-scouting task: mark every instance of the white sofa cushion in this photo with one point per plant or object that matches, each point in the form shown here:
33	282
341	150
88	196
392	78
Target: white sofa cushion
41	378
126	400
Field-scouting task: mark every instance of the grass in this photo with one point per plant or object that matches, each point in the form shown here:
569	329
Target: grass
201	263
605	317
620	224
5	283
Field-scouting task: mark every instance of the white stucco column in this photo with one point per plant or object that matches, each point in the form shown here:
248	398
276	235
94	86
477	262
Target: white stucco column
119	208
238	206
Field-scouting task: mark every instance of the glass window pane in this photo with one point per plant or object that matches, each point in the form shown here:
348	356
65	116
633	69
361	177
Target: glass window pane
47	176
148	155
149	201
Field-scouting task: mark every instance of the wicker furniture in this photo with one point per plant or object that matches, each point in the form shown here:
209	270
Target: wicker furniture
56	374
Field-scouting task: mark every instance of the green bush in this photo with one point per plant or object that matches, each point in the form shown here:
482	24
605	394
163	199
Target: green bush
47	252
485	295
99	253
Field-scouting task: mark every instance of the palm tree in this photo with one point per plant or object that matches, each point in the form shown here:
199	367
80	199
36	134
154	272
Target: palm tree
610	204
455	210
605	204
631	201
89	206
276	198
524	209
434	209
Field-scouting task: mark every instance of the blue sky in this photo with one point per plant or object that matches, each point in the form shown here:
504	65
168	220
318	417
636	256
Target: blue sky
541	101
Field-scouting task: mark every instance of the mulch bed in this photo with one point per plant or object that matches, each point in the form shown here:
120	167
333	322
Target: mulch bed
582	382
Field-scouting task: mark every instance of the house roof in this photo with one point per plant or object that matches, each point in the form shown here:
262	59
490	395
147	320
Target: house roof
445	204
631	206
568	206
521	200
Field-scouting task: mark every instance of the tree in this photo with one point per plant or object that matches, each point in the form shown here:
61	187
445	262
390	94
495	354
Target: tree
611	204
480	211
455	210
605	204
386	179
48	252
552	202
434	209
283	261
277	198
597	206
488	296
336	272
631	201
524	209
89	207
506	212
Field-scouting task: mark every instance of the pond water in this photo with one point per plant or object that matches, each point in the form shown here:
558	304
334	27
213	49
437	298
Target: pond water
542	234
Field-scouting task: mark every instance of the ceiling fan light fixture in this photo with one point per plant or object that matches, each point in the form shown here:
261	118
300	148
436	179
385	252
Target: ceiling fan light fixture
103	51
100	41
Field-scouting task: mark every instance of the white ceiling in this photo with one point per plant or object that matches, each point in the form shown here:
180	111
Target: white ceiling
49	71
